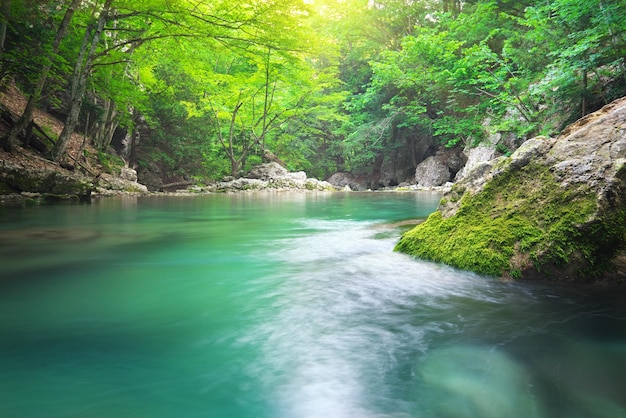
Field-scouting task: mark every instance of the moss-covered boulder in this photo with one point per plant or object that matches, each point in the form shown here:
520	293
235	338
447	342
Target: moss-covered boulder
556	208
16	178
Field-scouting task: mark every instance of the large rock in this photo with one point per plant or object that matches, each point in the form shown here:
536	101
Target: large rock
128	174
270	177
267	171
112	185
556	208
15	178
432	172
477	155
342	179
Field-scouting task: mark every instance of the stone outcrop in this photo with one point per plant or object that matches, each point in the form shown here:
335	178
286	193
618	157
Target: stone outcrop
42	184
31	180
270	176
267	172
112	185
479	154
554	209
343	180
432	172
439	169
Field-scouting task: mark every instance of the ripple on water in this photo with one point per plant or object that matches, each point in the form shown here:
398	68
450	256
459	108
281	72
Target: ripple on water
351	315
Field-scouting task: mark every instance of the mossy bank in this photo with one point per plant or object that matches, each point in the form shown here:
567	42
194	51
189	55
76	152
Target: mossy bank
554	209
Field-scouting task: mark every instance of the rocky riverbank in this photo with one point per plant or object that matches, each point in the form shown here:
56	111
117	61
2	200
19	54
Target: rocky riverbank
26	179
554	209
270	176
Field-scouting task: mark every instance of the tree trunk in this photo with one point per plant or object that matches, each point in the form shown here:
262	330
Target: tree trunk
10	141
79	81
583	102
234	167
5	11
104	129
82	145
27	116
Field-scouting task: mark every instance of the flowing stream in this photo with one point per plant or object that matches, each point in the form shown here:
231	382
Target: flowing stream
284	306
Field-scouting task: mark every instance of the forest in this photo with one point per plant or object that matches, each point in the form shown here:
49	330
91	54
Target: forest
198	90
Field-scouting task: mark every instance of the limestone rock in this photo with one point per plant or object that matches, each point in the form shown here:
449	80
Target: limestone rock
128	174
476	155
297	176
554	209
341	179
267	171
17	179
270	177
432	172
112	185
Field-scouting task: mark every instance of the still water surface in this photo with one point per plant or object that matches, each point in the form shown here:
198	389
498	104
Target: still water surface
284	306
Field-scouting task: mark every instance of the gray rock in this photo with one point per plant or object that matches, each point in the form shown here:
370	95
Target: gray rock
128	174
297	176
530	150
342	179
270	177
15	178
267	171
475	156
432	172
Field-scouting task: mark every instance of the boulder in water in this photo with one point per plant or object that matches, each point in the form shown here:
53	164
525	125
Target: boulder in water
554	209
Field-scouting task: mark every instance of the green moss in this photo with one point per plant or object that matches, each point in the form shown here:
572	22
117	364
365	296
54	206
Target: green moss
521	218
110	163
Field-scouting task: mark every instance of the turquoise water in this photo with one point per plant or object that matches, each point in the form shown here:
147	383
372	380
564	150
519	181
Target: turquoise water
284	306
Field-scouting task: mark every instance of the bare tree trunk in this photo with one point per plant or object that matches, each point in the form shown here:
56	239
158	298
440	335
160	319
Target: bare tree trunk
82	145
109	130
583	102
79	81
106	126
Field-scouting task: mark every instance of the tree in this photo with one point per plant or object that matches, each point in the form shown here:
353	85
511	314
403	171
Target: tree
78	81
266	99
5	16
9	142
586	44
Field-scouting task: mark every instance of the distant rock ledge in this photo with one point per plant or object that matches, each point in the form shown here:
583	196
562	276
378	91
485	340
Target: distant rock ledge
265	177
555	209
22	182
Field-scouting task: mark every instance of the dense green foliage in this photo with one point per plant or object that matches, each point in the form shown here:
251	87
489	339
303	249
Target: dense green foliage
203	89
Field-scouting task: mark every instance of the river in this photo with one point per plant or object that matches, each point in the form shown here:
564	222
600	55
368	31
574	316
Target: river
288	305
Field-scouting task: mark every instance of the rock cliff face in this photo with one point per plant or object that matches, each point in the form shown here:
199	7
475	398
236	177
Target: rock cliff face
554	209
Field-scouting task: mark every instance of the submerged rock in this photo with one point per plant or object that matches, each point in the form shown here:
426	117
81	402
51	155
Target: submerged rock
554	209
475	381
